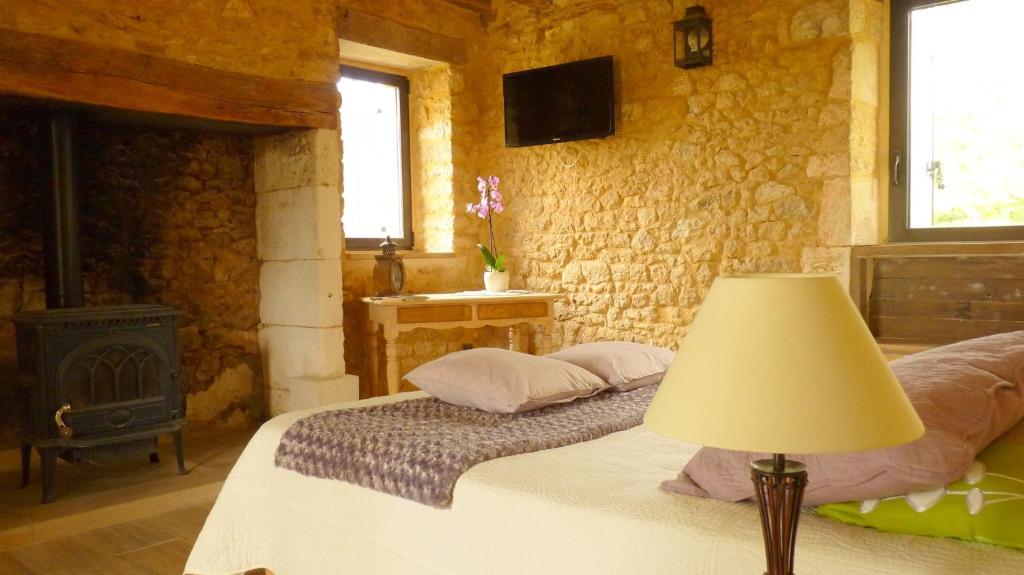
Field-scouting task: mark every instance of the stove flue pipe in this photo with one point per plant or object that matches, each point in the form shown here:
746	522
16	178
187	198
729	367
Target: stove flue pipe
63	233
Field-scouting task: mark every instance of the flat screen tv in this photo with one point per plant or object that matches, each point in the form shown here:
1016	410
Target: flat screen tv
562	103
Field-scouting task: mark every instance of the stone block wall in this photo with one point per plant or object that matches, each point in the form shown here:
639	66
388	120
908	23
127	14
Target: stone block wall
742	166
167	217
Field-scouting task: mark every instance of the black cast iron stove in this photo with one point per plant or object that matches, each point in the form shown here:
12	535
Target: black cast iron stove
93	382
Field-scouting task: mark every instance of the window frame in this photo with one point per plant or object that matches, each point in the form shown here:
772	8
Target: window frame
402	84
899	143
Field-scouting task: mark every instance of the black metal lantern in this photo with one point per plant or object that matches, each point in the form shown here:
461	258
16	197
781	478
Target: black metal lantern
693	39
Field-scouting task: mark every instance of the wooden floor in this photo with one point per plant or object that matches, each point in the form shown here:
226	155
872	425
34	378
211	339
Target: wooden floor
155	545
133	518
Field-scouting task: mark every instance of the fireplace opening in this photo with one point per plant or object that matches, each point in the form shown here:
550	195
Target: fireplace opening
90	379
149	242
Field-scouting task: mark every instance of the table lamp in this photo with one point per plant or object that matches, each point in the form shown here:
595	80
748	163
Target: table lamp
781	363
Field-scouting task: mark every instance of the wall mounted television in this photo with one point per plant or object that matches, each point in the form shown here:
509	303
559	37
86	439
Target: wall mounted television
574	101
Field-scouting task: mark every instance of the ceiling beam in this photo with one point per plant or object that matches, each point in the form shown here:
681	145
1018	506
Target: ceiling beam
71	71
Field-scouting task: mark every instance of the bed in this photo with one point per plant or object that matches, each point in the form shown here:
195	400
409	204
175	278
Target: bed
592	507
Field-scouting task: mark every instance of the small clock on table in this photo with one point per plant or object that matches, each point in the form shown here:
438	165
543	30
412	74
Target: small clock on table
389	271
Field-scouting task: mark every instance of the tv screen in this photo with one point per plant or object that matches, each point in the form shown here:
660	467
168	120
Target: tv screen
573	101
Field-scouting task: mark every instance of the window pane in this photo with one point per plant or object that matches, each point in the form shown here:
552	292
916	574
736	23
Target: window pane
371	134
966	165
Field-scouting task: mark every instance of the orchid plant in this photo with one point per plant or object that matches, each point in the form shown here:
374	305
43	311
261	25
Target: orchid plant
490	204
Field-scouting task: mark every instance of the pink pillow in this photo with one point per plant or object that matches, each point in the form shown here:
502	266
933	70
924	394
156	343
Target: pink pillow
623	364
503	381
967	394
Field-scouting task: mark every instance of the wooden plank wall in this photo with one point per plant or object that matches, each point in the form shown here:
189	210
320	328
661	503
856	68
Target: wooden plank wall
946	298
943	298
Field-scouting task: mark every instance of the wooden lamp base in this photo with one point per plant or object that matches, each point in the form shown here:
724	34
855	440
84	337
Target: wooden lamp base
779	489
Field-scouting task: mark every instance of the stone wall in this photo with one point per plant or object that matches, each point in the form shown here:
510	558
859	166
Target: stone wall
741	166
23	170
167	217
430	126
170	217
764	161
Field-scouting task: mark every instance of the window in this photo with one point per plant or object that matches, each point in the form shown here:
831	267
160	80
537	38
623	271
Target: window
375	158
957	121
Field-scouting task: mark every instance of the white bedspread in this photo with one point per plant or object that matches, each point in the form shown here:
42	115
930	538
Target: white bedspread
593	508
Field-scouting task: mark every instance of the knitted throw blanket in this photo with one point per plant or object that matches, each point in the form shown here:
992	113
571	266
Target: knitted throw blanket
417	449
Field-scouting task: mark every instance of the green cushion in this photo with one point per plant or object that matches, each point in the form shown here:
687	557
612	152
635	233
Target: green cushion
986	506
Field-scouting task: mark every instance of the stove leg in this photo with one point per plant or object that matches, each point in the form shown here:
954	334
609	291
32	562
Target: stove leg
154	452
49	458
26	462
179	451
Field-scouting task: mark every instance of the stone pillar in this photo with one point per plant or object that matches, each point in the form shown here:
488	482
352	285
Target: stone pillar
849	214
299	239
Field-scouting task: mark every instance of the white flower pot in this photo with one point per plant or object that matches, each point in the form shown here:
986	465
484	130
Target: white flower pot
496	281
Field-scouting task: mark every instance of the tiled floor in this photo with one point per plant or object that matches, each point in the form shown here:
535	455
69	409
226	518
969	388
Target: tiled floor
132	518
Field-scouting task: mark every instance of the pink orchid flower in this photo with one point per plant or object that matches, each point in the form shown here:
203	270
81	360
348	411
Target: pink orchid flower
491	203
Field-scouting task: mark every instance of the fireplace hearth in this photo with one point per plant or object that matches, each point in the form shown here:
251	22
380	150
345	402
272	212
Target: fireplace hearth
93	382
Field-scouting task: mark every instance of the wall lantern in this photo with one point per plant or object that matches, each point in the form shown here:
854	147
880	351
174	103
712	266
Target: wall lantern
693	39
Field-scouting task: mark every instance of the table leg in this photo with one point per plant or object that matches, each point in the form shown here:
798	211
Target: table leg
543	338
372	359
515	342
391	355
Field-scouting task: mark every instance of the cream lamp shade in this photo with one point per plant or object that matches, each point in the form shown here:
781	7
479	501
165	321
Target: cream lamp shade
782	363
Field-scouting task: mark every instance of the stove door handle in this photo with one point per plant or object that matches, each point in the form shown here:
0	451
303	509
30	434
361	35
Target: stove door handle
62	428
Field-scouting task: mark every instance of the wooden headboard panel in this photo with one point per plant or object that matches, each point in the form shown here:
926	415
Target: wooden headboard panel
939	293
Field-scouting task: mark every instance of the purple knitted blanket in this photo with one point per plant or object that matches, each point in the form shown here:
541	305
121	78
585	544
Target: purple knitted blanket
417	449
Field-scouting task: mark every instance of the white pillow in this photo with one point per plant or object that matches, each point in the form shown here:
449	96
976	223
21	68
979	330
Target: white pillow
624	365
502	381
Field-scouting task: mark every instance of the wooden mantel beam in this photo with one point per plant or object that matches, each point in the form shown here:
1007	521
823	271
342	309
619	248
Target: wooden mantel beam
479	6
44	67
534	3
373	30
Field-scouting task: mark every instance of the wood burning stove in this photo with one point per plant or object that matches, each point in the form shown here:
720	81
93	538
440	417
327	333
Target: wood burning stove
95	378
92	381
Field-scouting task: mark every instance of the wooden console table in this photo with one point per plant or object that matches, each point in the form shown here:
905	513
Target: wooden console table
450	310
